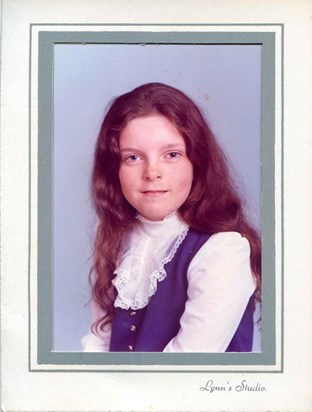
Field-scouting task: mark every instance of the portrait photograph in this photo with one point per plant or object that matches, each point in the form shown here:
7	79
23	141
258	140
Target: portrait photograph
117	231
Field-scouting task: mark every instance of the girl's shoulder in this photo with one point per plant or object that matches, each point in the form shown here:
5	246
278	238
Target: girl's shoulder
218	240
222	264
228	238
223	247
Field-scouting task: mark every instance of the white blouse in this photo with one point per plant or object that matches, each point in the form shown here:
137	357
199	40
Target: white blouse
220	283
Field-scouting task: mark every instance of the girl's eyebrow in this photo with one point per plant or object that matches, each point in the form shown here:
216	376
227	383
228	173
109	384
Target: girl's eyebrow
166	147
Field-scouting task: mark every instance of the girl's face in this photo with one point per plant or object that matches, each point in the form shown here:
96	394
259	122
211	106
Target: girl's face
155	173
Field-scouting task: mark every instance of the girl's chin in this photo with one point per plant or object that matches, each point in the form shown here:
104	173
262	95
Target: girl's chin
157	217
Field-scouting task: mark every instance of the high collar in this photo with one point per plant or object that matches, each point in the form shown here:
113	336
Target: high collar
169	225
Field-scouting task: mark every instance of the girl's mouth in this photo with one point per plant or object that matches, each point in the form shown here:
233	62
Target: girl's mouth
154	193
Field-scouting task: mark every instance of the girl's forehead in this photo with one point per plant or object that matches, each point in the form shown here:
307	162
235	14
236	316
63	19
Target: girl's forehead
153	128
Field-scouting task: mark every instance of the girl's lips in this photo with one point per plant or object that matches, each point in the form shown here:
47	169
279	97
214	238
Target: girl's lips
154	193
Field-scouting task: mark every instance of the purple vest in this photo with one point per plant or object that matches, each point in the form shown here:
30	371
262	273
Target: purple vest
151	328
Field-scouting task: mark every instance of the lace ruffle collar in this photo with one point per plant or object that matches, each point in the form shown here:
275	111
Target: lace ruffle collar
147	249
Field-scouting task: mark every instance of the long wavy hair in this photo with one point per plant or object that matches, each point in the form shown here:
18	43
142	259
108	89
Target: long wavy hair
213	205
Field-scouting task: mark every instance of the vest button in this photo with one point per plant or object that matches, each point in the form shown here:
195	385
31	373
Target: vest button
133	313
130	348
132	328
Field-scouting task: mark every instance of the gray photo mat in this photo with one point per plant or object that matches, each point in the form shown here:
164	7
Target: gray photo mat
45	355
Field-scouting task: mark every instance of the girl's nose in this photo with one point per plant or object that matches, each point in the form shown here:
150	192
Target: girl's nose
152	172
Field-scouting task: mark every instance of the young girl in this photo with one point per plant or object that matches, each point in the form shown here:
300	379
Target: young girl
177	265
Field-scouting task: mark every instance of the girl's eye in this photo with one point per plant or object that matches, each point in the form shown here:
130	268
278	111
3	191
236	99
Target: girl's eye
173	155
132	158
